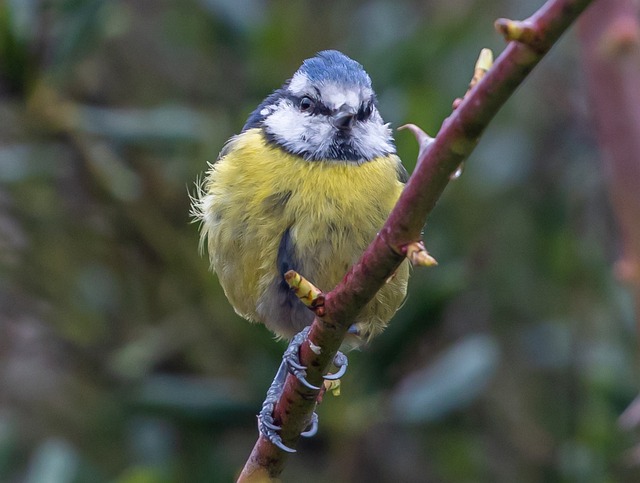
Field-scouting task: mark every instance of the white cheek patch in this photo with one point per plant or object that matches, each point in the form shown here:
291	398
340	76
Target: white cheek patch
298	132
286	123
373	138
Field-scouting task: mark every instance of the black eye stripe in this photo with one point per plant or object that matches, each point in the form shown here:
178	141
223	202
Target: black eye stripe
322	109
365	111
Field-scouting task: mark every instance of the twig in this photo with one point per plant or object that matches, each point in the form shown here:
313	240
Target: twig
455	141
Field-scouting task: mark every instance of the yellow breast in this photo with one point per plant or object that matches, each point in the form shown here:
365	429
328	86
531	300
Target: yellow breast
255	192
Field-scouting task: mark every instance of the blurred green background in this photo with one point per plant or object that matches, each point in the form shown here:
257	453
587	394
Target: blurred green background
120	359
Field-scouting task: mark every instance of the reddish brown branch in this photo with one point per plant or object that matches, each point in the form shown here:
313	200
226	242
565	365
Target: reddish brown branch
610	37
455	141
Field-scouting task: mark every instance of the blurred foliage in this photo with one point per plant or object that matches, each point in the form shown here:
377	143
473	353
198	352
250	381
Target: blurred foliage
120	359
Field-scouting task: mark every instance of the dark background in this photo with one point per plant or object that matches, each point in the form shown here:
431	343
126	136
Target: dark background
122	361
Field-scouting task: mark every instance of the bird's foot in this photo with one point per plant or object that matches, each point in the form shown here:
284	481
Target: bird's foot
291	363
266	423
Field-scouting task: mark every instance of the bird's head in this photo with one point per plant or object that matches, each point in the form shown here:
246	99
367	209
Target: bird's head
326	111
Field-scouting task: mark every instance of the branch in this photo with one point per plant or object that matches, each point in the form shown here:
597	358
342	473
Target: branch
610	37
529	41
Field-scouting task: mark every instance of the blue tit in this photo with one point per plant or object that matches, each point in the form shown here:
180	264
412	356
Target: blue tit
305	186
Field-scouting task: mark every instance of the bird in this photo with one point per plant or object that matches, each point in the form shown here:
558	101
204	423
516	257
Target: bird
306	185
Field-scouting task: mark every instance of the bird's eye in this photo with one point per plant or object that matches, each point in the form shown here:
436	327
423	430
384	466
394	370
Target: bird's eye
365	111
306	104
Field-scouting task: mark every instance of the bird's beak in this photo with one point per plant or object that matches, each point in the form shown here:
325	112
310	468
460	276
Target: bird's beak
344	117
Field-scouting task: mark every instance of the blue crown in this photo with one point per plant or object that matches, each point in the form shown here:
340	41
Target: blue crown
334	66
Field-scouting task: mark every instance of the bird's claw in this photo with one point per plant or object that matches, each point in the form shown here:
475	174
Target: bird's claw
341	362
292	358
313	427
267	427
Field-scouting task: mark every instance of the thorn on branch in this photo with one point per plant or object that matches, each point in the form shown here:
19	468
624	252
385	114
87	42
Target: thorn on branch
424	140
309	294
483	64
521	31
418	255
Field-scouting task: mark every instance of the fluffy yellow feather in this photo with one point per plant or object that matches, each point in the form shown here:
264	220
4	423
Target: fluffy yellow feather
258	202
